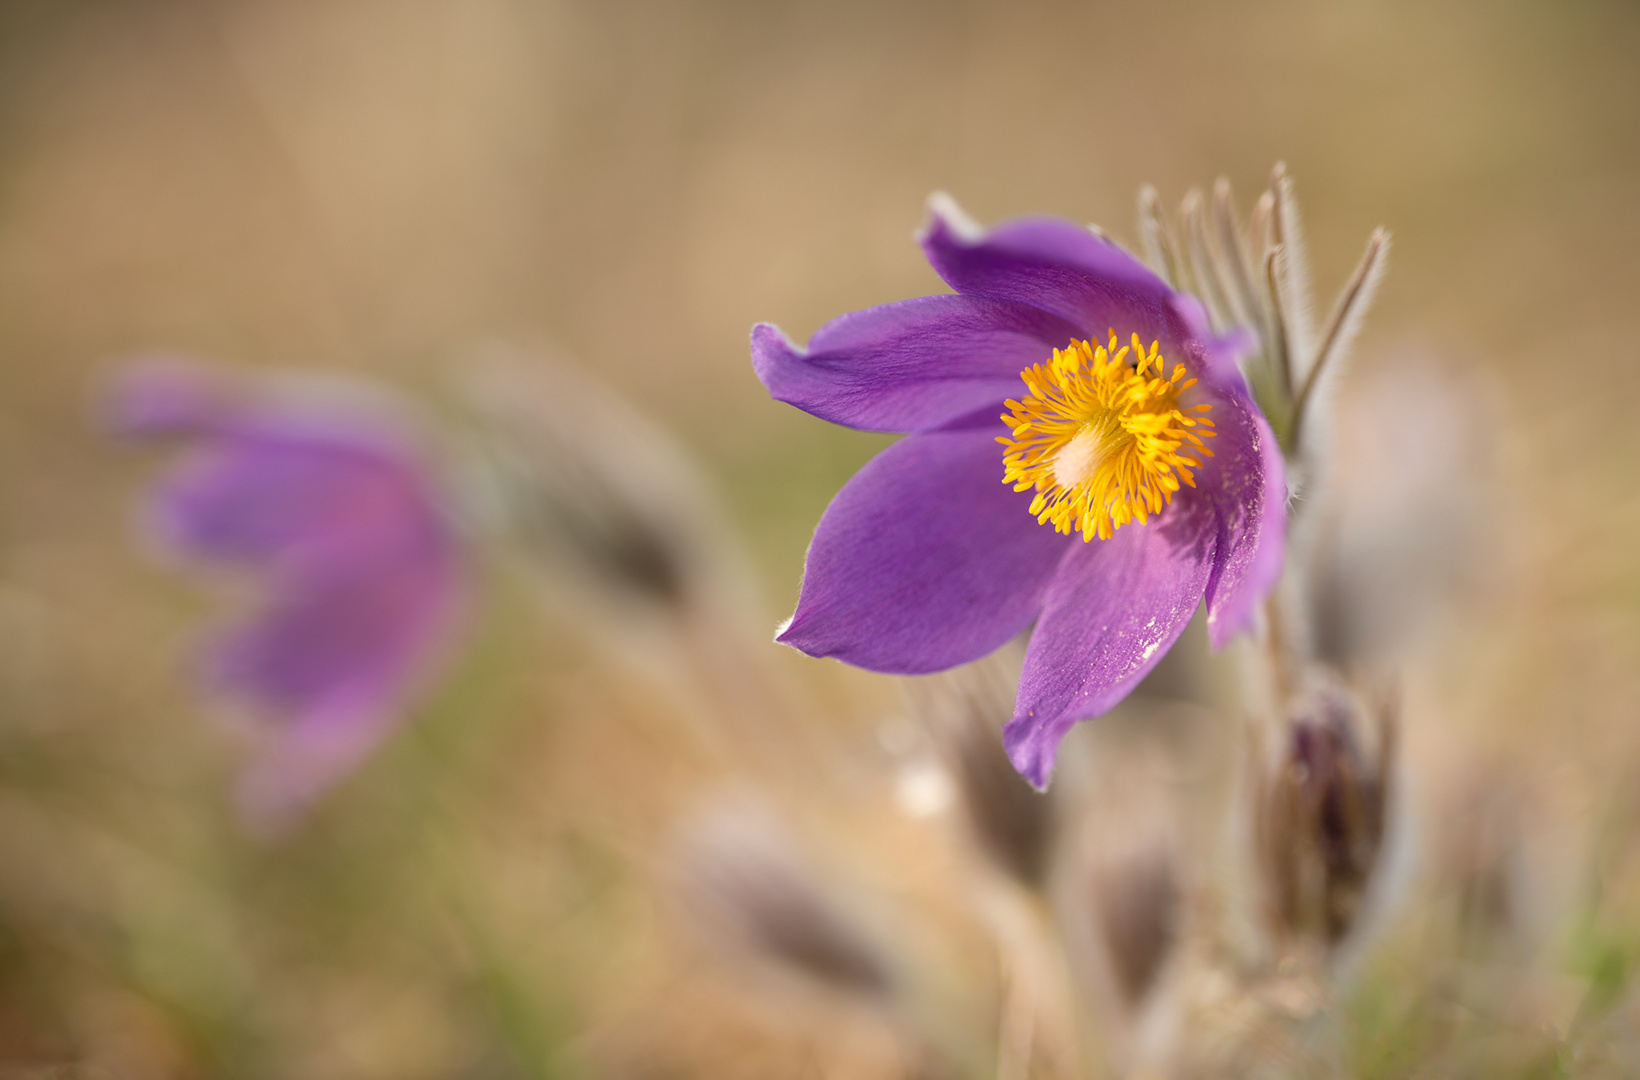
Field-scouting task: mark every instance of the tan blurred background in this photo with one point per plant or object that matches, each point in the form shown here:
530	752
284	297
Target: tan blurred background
379	186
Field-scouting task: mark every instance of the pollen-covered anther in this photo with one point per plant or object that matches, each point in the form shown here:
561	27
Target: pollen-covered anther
1103	437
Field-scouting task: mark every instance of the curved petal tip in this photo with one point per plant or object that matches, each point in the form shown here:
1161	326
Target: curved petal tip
773	355
944	215
1033	748
160	395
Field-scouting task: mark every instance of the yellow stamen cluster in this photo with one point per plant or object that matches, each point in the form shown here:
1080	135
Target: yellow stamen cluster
1100	437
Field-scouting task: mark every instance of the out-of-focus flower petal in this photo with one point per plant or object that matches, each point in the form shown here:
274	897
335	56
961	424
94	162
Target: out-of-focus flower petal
352	629
924	560
1112	612
313	752
164	396
909	366
358	558
261	493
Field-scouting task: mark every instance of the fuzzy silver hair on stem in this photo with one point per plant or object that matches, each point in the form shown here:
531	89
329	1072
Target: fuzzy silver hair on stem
1257	279
1321	767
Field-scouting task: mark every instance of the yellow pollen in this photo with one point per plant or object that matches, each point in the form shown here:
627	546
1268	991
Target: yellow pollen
1103	440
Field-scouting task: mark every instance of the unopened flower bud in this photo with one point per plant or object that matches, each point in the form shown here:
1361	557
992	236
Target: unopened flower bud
1321	807
749	889
963	711
590	489
1138	902
1123	896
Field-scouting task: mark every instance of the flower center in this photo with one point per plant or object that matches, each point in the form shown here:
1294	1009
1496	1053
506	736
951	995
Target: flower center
1102	438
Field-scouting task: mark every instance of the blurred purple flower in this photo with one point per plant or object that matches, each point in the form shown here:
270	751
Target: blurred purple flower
331	507
1157	464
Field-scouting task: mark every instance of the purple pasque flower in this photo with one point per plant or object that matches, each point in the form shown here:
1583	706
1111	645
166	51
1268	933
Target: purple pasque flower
1100	492
331	507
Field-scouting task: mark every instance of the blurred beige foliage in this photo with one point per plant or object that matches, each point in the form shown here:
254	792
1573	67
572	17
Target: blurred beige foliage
381	186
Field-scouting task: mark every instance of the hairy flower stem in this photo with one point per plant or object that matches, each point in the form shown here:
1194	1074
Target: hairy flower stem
1037	1035
1343	325
1018	1023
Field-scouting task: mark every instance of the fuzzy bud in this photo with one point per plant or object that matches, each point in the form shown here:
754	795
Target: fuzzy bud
590	489
750	890
963	711
1138	902
1321	809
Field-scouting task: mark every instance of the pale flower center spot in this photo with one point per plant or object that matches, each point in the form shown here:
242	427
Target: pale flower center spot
1080	459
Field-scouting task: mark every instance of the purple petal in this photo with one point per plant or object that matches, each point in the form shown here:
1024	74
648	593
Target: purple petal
161	396
924	560
909	366
1066	269
306	758
1052	264
1111	613
337	656
270	496
1245	485
357	626
357	557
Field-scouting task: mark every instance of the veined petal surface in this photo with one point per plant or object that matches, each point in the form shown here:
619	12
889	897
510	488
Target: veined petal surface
1245	482
1052	264
1084	279
1113	610
924	560
909	366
